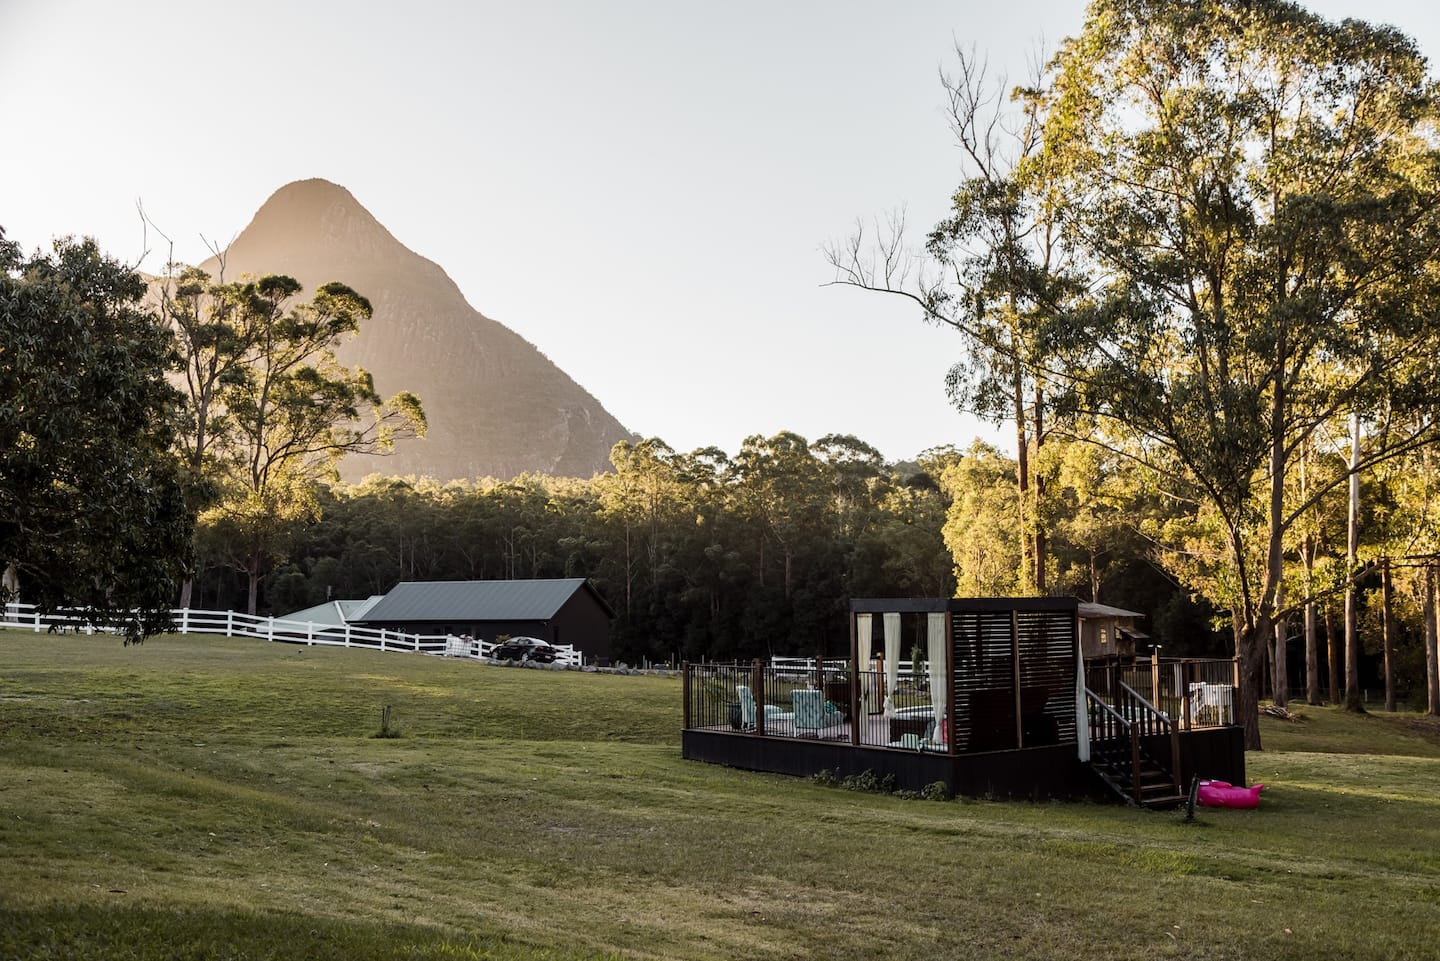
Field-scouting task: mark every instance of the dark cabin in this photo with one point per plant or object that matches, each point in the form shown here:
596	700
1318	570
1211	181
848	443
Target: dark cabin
560	610
1002	704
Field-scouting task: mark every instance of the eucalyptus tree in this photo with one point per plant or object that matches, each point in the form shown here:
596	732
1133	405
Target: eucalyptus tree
997	271
214	335
293	411
637	496
979	522
92	514
1254	190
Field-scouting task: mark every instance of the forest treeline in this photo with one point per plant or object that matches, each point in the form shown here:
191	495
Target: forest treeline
705	555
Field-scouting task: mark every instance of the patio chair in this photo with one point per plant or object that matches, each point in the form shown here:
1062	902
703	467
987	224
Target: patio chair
747	707
809	709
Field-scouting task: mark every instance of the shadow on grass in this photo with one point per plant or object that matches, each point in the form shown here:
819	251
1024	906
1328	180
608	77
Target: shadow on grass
140	934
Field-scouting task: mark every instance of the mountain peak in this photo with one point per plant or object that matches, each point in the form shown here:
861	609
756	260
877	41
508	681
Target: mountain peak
315	212
496	405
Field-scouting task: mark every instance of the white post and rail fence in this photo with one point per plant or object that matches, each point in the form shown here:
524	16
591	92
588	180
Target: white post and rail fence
233	624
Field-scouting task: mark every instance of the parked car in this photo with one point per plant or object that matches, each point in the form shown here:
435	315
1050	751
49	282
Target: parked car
524	649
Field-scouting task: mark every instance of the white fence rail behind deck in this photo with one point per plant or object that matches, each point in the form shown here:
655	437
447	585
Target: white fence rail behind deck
806	665
232	624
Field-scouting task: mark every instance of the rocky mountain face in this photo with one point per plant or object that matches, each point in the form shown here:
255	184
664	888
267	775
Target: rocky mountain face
496	406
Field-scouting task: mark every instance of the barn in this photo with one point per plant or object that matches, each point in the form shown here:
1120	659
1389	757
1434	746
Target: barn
558	610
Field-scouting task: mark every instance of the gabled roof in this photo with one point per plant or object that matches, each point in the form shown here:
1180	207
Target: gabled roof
333	612
535	600
1088	609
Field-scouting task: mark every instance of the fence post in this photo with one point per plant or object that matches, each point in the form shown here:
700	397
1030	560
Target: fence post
757	687
1155	677
270	629
685	695
229	623
310	634
185	620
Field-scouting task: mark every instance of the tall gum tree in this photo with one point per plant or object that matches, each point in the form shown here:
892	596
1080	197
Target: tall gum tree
293	411
996	270
92	514
1254	191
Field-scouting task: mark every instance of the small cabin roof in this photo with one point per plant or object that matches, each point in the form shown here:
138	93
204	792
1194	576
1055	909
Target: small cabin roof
1091	610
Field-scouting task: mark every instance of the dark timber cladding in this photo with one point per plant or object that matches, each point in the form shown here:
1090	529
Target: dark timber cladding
1014	664
560	610
1000	707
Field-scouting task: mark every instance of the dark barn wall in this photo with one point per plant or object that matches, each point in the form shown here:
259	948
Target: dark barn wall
584	622
586	628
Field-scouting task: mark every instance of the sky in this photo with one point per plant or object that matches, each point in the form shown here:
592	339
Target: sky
641	189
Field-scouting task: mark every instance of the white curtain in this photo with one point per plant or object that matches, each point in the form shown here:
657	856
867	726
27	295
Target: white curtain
862	639
892	659
939	679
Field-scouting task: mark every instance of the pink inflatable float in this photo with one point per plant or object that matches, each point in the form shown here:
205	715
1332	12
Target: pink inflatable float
1223	794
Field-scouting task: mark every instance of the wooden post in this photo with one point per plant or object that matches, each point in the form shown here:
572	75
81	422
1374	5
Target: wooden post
1155	677
1015	664
950	732
684	690
1187	677
854	681
757	688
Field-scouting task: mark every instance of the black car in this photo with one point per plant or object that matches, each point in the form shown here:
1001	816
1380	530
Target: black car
524	649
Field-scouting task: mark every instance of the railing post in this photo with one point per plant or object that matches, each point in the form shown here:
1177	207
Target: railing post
685	694
1135	785
757	685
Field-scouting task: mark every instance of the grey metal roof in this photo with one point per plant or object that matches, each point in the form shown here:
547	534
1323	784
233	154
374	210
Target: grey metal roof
1087	609
334	613
535	600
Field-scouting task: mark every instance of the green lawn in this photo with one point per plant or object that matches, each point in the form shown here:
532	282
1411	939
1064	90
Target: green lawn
206	798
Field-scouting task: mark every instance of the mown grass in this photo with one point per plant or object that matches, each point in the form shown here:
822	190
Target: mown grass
208	798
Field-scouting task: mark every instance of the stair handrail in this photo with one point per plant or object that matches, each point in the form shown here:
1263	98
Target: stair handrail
1132	735
1165	725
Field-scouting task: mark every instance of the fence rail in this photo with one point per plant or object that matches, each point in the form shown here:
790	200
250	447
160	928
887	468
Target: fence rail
233	624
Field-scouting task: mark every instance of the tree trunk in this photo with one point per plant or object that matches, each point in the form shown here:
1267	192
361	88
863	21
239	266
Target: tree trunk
1332	654
1280	680
1250	648
187	591
1041	541
1312	656
252	571
1022	487
1353	700
1387	613
1432	654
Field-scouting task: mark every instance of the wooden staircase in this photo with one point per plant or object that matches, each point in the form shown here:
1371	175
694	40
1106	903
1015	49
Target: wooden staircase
1118	755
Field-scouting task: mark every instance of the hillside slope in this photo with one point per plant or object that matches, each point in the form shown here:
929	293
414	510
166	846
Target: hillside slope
496	405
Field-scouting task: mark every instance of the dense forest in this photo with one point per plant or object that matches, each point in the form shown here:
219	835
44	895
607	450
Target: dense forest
704	555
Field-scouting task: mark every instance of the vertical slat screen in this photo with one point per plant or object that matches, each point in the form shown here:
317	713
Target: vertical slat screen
984	681
1047	677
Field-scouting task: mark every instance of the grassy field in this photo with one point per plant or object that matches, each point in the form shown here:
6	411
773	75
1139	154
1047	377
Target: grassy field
206	798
